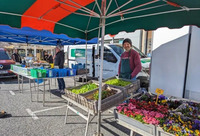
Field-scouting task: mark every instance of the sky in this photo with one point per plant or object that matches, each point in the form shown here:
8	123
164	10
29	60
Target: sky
164	35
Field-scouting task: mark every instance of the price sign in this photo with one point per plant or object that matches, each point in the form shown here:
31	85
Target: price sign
159	92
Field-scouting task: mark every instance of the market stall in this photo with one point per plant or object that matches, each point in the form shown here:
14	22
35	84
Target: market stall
100	16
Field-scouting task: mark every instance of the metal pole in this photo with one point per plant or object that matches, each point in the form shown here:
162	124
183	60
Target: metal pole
86	59
35	51
98	51
187	60
101	67
26	51
146	44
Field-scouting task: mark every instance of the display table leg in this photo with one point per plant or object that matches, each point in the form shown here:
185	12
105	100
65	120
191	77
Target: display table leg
50	86
18	82
22	83
44	93
74	81
37	90
31	90
66	114
87	125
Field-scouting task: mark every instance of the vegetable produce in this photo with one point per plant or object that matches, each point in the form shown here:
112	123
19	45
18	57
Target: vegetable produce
117	82
85	88
105	93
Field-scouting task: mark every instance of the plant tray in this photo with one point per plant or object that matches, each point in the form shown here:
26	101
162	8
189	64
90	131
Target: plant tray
145	129
106	103
74	96
127	90
92	105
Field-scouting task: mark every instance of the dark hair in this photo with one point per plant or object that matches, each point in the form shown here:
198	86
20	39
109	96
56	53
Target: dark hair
128	41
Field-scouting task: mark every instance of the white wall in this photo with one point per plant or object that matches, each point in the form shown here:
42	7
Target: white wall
134	36
193	76
168	67
164	35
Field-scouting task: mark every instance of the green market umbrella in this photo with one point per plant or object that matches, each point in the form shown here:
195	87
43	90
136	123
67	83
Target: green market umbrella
76	18
85	18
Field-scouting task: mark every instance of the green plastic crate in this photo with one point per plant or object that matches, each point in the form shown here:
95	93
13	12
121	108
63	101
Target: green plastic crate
42	73
34	73
38	73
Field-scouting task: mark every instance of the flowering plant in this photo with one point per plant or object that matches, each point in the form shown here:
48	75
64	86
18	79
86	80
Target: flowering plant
191	110
184	121
180	126
145	112
162	100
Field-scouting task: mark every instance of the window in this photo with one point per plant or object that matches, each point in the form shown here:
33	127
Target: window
142	55
4	55
108	55
118	49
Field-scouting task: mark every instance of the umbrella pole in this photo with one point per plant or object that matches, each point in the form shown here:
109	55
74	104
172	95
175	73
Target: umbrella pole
86	59
101	67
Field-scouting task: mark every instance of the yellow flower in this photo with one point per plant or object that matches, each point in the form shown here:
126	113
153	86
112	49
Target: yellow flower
164	101
179	118
197	131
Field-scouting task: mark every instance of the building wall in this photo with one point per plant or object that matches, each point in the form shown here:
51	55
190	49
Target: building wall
138	39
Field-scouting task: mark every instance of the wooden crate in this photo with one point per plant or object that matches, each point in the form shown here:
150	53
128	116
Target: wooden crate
74	96
127	90
106	103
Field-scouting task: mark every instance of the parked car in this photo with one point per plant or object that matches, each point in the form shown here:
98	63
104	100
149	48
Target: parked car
5	62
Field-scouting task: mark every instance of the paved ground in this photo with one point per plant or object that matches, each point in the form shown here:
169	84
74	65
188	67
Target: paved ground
47	123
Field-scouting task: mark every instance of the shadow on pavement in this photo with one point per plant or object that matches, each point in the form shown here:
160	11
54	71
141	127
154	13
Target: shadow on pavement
11	81
114	124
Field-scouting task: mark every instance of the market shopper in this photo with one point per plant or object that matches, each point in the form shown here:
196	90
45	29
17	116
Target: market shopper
50	58
16	57
59	63
46	56
130	64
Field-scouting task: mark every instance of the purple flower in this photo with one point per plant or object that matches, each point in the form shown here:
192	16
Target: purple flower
194	126
170	122
196	121
161	97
